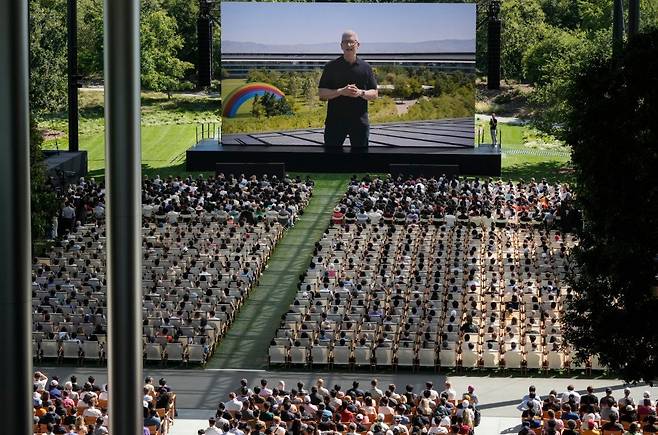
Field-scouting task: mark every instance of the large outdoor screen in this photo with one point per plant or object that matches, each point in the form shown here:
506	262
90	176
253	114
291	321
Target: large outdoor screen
422	58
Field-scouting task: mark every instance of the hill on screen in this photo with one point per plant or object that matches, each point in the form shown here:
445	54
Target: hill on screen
437	46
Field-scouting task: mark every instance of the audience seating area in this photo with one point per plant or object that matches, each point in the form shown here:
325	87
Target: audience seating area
204	249
587	414
456	293
66	407
320	409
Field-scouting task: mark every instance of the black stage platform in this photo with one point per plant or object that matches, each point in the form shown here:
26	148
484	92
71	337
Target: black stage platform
70	164
442	142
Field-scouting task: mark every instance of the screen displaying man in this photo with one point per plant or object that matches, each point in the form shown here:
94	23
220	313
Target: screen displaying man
347	83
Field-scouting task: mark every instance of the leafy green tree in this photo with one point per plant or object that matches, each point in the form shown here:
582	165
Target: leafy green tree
523	26
612	128
90	38
185	12
553	64
48	65
162	70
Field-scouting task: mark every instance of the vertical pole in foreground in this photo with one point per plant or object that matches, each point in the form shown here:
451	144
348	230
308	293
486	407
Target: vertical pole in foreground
617	26
123	183
633	17
15	274
73	78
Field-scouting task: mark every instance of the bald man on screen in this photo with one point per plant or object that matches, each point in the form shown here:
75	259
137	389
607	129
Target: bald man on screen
347	83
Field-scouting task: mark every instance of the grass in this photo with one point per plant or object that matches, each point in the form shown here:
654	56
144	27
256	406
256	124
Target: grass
246	344
156	110
169	129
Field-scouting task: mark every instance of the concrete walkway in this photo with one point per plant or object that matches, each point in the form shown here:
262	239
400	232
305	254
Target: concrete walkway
199	391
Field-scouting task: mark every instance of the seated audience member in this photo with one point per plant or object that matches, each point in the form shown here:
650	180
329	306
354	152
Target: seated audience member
651	426
525	429
627	414
633	429
571	428
568	414
613	424
212	429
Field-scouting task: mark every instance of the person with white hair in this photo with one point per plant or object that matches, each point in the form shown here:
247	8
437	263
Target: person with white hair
347	83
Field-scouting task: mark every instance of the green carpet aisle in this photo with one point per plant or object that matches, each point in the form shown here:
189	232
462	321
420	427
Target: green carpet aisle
245	345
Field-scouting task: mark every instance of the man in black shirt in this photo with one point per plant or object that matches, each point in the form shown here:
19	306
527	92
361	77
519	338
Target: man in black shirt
348	83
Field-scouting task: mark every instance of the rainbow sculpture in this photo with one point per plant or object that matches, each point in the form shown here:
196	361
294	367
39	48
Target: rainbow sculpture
240	95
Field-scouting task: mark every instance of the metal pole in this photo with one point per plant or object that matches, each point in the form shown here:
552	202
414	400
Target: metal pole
633	17
15	221
73	78
617	26
123	181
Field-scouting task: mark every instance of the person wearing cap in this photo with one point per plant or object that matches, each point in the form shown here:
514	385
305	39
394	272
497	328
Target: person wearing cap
379	425
589	426
627	414
362	423
473	398
326	422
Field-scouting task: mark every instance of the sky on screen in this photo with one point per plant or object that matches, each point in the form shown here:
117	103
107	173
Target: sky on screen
308	23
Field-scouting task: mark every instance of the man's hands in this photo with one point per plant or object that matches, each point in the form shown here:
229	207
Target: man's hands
350	91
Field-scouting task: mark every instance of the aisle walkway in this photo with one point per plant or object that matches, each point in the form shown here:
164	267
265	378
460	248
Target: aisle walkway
246	344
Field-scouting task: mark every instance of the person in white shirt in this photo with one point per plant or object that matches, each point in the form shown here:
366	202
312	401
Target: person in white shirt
375	392
452	394
212	429
429	386
321	389
233	404
570	391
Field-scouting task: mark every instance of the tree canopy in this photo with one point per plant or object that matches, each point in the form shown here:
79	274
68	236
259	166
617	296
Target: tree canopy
612	127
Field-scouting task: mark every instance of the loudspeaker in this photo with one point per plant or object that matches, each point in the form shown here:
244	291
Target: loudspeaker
204	27
493	54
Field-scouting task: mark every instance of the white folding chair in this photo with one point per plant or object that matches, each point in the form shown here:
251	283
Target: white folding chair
153	352
278	354
383	356
320	355
298	355
447	358
91	350
341	355
405	357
